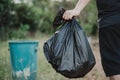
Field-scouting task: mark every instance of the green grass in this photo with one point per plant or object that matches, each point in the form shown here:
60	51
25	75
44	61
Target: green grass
5	68
44	69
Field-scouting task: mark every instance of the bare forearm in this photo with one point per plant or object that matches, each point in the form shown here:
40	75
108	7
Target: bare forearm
81	4
76	11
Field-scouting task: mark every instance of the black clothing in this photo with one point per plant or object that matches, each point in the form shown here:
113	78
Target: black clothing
108	12
108	7
109	35
108	21
109	40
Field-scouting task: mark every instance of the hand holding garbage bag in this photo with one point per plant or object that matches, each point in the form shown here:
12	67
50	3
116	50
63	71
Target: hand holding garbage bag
68	50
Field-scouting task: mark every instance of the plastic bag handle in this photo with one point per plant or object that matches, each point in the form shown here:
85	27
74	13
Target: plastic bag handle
58	19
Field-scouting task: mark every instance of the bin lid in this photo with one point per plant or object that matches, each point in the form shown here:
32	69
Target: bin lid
23	41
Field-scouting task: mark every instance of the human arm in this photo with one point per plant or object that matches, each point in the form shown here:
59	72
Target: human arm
76	11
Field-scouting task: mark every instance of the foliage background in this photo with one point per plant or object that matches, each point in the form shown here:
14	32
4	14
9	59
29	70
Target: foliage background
25	18
32	19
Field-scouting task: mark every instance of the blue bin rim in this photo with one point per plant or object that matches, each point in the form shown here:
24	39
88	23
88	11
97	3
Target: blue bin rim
23	41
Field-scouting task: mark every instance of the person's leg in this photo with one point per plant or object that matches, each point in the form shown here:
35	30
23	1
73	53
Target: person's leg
109	40
115	77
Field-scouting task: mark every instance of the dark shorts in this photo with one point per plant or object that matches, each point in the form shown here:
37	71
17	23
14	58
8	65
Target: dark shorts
109	39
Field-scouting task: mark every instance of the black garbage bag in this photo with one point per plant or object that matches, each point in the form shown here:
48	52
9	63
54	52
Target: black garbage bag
68	50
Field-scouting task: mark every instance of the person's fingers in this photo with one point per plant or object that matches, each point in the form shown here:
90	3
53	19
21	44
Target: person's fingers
71	17
64	15
67	15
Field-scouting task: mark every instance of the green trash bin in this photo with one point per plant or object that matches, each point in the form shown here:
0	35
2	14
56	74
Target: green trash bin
23	56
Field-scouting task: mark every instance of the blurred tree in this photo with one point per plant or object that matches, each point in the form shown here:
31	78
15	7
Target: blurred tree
88	18
45	8
6	18
17	19
48	10
27	15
